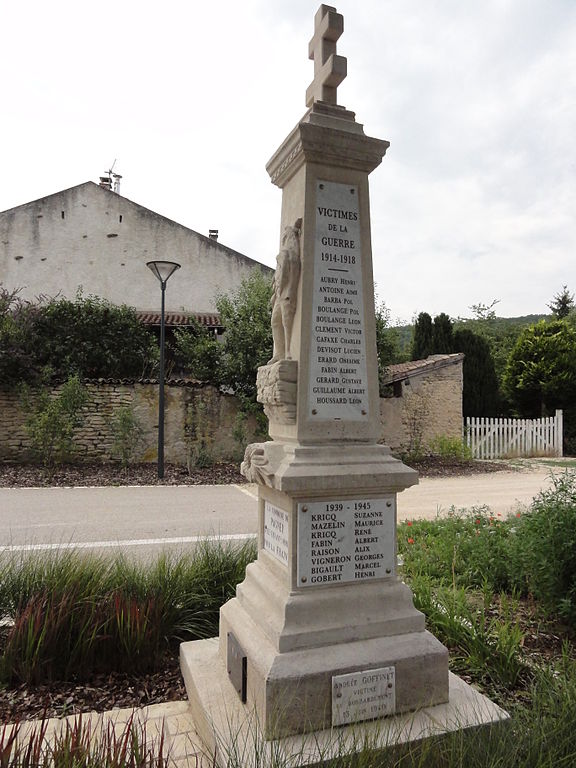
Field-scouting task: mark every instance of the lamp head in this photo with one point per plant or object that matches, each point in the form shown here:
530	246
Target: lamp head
163	269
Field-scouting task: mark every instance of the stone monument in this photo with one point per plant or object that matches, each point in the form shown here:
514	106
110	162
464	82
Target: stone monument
322	632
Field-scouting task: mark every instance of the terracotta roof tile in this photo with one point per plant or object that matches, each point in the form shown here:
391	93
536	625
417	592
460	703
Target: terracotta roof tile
416	367
208	319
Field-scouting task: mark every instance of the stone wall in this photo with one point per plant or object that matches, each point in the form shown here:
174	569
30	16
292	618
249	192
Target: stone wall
200	423
424	405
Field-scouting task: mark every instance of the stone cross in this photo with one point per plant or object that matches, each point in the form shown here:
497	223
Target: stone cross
329	69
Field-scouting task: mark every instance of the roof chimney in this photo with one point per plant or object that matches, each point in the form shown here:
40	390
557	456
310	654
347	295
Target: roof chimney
106	182
213	234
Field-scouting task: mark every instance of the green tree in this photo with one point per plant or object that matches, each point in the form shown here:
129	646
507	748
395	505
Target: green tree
423	335
442	335
198	353
88	337
386	341
540	375
18	339
500	334
247	343
562	303
480	384
93	338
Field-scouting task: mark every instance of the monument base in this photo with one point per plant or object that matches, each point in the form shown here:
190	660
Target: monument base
298	646
231	731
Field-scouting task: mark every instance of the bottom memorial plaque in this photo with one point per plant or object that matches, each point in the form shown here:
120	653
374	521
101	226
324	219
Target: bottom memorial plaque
363	695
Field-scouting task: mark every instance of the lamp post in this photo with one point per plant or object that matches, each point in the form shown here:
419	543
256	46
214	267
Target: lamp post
163	271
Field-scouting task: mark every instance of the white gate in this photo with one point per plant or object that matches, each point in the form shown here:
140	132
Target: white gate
502	438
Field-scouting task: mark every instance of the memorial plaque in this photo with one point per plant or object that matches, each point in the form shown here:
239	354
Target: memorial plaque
345	541
338	386
363	695
276	532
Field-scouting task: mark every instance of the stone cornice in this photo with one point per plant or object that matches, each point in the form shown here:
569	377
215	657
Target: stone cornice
326	145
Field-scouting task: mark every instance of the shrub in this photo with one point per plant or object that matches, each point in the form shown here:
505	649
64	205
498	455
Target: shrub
88	337
74	616
54	419
543	552
450	448
198	353
127	434
466	548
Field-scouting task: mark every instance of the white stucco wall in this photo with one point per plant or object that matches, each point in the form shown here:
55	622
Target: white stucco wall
88	236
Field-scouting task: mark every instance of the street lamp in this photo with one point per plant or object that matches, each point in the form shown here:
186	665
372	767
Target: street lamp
163	271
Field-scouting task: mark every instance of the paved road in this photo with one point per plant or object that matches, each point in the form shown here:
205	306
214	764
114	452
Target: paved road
503	492
145	519
141	519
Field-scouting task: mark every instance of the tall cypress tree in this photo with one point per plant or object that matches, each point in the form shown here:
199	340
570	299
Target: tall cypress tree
442	335
480	396
422	340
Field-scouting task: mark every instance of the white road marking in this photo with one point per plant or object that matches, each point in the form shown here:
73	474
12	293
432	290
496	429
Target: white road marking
125	543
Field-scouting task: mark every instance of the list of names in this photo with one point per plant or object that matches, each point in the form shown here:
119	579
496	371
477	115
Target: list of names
345	541
338	386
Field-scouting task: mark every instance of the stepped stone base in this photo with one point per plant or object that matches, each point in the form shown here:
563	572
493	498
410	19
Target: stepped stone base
229	729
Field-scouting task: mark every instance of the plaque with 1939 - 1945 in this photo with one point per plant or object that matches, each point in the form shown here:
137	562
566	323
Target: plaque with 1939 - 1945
344	541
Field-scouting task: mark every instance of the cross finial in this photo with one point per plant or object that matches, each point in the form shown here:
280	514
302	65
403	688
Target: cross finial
329	69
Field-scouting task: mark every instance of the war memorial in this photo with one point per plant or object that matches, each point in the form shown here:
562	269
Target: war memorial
322	647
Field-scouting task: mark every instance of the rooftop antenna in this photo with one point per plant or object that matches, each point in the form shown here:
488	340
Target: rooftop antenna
113	179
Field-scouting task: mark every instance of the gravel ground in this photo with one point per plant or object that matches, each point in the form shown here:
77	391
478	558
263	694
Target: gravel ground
33	476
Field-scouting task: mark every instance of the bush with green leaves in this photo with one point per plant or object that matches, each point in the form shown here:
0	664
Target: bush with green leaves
87	336
53	419
198	353
127	434
540	374
447	447
543	555
461	548
247	344
18	352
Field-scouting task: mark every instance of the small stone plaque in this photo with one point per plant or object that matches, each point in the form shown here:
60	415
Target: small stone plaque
276	532
363	695
343	541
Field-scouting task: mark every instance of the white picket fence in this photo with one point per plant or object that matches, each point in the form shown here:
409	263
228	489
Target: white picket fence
500	438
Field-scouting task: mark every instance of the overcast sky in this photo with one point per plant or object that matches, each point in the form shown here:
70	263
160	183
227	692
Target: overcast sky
474	201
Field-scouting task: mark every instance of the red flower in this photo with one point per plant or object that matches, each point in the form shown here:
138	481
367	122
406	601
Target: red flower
408	522
478	521
410	541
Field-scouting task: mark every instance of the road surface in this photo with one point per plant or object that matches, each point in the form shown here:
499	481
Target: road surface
144	520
